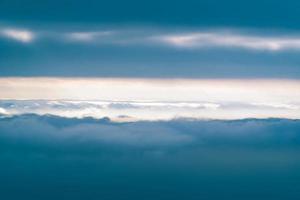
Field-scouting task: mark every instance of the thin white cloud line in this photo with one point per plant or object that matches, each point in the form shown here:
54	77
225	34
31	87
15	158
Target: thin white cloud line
192	40
187	40
231	40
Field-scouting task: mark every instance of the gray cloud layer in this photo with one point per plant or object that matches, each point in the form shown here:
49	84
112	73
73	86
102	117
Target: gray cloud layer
50	157
158	134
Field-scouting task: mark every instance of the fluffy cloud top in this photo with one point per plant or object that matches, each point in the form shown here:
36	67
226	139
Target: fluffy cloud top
156	134
122	111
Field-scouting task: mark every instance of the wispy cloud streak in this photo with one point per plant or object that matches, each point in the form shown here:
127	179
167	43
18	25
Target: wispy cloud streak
184	39
230	40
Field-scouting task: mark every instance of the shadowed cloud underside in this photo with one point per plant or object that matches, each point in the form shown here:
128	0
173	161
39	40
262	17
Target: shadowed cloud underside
49	157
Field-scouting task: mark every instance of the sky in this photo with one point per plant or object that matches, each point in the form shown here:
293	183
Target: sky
56	157
131	99
221	42
128	99
198	39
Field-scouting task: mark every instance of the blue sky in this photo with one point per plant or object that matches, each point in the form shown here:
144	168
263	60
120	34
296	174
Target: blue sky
158	99
262	14
116	39
229	45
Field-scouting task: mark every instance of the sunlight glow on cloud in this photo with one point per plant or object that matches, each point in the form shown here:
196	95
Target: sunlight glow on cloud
3	111
24	36
128	89
151	99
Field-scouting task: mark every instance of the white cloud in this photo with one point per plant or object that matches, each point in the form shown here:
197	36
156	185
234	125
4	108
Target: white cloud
134	89
3	111
161	37
278	105
154	99
24	36
229	40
